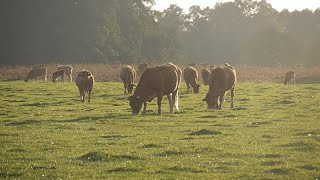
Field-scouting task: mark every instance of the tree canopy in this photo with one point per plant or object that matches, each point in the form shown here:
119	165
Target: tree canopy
131	31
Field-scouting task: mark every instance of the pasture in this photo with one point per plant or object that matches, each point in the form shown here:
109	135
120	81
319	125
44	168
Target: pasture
47	133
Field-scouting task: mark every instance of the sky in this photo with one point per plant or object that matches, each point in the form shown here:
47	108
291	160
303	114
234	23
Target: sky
291	5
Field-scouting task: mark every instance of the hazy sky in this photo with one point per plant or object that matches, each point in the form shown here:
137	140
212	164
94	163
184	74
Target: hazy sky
277	4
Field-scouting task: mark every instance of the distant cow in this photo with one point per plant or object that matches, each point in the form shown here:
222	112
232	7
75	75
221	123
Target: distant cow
58	74
205	75
37	72
289	78
221	79
67	70
141	68
190	75
84	81
127	75
157	81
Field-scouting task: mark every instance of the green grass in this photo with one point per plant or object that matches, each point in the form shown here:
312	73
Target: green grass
46	133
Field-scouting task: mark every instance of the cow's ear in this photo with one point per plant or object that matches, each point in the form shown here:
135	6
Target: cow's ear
204	99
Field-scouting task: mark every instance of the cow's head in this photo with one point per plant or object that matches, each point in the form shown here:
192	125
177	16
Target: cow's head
196	88
130	87
136	104
212	101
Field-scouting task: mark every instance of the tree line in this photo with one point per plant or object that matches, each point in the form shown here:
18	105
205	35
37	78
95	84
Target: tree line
131	31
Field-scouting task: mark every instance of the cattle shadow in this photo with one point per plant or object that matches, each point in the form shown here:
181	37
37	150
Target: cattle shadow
300	146
23	123
204	132
103	157
123	169
278	171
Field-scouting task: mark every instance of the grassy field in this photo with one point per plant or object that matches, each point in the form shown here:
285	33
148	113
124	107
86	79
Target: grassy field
46	133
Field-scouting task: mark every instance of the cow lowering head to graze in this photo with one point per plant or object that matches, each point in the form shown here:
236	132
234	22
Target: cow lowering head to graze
289	78
127	75
37	72
205	75
190	75
157	81
58	74
84	81
141	68
67	70
221	79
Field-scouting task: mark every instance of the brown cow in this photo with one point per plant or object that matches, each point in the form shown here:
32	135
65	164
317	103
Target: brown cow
157	81
221	79
190	75
127	75
205	73
84	81
36	72
141	68
57	74
289	78
67	70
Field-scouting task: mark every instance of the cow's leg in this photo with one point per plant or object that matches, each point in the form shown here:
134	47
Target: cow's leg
188	88
175	99
159	99
144	112
89	96
232	96
81	95
171	103
125	88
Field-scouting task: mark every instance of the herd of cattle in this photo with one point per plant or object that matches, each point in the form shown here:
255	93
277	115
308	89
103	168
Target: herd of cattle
158	81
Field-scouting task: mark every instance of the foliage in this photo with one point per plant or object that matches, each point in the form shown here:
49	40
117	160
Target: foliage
130	31
272	133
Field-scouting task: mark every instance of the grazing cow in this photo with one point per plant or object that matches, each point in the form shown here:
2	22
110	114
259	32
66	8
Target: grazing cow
57	74
221	79
84	81
205	75
127	75
289	78
36	72
157	81
190	75
67	70
141	68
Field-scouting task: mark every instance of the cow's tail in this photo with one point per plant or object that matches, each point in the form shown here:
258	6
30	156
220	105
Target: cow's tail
176	102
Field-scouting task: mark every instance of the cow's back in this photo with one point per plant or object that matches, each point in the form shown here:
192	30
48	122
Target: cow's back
127	74
162	78
190	74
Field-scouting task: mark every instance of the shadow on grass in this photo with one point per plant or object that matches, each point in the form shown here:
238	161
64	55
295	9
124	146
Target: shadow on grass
271	163
147	146
9	175
23	123
102	157
278	171
184	169
309	167
123	170
300	146
169	153
114	137
204	132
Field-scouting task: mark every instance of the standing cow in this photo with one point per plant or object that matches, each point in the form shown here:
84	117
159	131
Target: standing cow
221	79
84	81
57	74
67	70
127	75
37	72
190	75
289	78
205	75
156	82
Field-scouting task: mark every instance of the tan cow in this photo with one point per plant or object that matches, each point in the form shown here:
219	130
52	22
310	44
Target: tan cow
85	82
67	70
141	68
205	73
221	79
37	72
289	78
127	75
57	74
157	81
190	75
